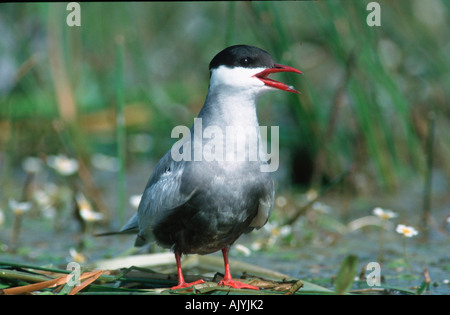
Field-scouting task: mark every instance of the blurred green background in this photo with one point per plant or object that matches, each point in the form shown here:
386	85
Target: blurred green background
371	125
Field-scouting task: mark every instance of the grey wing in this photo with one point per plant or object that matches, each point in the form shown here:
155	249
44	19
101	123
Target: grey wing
161	194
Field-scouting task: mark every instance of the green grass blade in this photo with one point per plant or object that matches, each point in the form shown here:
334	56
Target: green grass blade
346	274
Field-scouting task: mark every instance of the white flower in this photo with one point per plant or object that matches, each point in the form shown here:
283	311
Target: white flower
76	256
32	164
86	211
135	200
281	201
62	164
89	215
407	231
45	203
41	198
285	230
242	249
383	213
19	208
311	194
257	245
105	163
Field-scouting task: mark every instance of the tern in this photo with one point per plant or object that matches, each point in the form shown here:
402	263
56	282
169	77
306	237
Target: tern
203	205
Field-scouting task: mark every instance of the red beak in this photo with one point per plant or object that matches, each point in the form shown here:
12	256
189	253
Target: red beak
278	85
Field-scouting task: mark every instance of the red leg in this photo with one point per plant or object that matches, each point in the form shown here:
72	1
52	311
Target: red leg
227	279
181	282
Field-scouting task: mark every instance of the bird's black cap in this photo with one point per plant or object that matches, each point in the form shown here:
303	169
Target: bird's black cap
242	56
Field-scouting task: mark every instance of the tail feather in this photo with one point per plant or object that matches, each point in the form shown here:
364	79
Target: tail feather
132	231
131	227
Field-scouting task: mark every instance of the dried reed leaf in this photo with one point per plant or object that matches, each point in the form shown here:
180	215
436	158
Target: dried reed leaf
91	277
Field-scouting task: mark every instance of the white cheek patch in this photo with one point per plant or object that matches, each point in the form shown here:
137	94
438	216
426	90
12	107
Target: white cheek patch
238	77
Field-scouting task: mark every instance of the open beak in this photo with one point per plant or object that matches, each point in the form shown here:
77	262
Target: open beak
275	84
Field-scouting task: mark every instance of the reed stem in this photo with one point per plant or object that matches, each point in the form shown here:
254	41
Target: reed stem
120	131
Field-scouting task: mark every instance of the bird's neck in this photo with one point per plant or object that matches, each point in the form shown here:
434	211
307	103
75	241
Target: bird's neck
229	124
222	108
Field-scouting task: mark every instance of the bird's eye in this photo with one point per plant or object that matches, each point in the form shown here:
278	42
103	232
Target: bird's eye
245	61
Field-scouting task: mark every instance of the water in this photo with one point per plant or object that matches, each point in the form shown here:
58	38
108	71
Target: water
312	250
